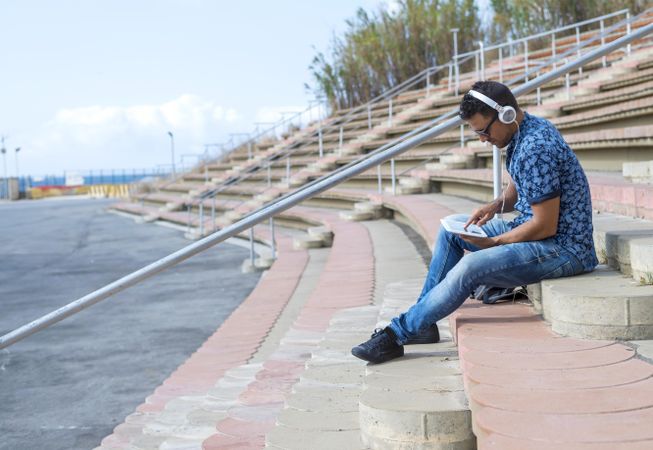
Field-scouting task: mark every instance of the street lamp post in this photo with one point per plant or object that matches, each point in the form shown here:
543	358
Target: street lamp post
172	151
17	174
5	194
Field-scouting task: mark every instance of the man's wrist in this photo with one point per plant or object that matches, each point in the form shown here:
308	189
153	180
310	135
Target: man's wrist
496	240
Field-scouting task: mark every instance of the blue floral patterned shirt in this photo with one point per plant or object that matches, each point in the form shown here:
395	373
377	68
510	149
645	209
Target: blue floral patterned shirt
543	166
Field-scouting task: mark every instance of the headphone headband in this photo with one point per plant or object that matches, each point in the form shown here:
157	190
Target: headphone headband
507	114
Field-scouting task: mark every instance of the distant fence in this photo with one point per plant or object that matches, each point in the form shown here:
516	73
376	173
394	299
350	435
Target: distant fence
75	183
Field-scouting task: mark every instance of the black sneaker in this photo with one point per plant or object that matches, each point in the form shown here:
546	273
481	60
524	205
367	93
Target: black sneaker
381	347
430	336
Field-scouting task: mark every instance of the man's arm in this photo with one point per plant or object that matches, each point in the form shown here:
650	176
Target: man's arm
543	224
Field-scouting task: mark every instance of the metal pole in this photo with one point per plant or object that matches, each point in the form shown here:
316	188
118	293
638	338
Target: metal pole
188	227
394	176
273	245
578	52
172	153
320	140
5	194
450	83
526	60
213	213
500	64
455	59
462	135
369	117
269	175
628	31
567	82
379	180
604	60
553	49
476	69
249	150
251	246
201	217
482	56
496	170
288	169
539	94
340	139
390	113
289	200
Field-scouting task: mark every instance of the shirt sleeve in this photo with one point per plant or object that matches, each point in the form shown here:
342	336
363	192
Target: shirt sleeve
541	175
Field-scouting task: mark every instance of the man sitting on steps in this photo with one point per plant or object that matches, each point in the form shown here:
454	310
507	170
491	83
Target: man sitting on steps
552	237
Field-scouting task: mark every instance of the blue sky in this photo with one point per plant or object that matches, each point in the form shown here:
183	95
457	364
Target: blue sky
97	84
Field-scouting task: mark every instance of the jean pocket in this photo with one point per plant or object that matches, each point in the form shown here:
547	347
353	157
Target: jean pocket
566	269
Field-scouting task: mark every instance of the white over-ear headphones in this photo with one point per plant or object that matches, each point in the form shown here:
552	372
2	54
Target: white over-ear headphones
507	114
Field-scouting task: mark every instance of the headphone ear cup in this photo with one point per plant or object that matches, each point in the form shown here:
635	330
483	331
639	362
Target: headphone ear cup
508	115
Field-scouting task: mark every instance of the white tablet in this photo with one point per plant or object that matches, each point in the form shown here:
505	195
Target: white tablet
457	227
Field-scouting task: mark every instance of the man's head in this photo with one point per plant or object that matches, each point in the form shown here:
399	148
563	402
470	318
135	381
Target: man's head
484	119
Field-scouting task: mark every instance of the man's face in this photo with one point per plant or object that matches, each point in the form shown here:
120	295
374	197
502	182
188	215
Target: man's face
490	129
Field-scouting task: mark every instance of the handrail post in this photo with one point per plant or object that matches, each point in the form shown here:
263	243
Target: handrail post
213	213
539	92
394	176
553	49
428	80
390	113
378	179
249	150
628	31
188	227
251	246
201	217
500	64
455	59
341	136
578	51
462	135
604	60
526	60
269	174
450	81
482	58
206	172
476	68
320	143
288	169
567	82
273	245
369	117
496	171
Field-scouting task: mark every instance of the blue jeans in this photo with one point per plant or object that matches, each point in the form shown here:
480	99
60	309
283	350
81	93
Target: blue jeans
451	278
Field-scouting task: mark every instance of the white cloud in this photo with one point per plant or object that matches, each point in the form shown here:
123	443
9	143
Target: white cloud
95	137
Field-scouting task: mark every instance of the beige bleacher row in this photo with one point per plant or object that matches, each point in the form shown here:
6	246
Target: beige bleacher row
195	183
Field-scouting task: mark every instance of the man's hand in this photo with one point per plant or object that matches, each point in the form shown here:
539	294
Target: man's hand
480	242
482	215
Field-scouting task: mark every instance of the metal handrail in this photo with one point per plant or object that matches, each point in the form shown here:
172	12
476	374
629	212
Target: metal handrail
426	73
291	200
550	62
549	32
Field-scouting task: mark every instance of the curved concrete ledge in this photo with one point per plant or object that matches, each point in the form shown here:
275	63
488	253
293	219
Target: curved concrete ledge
599	305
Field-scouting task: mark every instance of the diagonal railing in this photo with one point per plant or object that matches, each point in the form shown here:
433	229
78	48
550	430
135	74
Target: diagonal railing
424	76
293	199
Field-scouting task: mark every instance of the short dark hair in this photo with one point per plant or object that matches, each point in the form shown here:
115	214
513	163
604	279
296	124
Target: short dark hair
498	92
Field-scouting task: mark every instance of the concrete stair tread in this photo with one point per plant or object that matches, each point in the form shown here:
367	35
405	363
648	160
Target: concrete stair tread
572	428
603	304
286	438
626	397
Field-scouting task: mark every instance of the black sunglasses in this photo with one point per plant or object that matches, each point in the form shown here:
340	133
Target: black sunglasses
485	132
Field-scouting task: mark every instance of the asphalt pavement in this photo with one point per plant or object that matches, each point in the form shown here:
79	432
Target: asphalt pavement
67	387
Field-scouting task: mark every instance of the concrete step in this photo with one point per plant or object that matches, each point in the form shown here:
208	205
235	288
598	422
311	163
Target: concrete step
626	244
603	304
